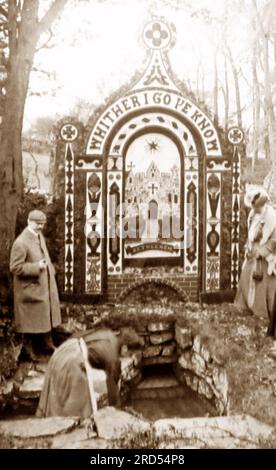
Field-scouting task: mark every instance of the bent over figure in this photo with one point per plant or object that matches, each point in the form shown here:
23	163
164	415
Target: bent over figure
66	387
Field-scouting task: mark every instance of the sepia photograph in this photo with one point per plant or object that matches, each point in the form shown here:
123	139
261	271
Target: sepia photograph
137	230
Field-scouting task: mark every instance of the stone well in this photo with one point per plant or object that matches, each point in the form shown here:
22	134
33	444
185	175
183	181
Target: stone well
164	343
192	362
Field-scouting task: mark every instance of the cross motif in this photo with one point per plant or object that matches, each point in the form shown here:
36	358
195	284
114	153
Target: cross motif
131	166
152	187
235	135
69	133
157	35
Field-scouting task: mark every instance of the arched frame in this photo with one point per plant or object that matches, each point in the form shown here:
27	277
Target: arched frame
193	168
152	101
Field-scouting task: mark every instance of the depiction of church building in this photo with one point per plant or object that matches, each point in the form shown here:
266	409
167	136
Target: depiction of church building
153	194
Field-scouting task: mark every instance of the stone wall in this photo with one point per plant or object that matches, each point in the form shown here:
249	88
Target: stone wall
200	370
159	345
192	360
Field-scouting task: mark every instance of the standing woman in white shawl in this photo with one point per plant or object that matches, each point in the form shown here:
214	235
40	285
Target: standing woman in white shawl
257	285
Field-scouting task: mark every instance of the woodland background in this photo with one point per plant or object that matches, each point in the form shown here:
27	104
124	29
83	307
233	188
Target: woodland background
61	57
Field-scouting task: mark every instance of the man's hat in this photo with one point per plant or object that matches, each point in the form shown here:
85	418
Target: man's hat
37	216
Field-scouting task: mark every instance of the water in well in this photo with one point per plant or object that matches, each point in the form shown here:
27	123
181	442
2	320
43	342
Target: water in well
159	395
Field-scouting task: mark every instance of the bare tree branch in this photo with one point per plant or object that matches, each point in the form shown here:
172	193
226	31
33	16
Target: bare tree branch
43	72
35	167
47	44
269	16
54	10
258	16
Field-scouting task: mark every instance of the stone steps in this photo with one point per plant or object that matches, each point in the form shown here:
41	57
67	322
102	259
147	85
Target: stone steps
158	393
159	360
158	386
158	381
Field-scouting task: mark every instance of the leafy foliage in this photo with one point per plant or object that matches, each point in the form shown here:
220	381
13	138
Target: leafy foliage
10	344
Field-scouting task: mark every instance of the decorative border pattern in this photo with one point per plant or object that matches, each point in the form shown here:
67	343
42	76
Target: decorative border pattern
236	204
114	220
93	233
69	219
213	229
191	211
235	137
156	74
155	119
145	101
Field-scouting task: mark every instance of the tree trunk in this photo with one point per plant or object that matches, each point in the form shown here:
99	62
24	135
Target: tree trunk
268	96
256	107
269	117
274	53
24	32
203	97
215	87
197	81
22	51
237	86
269	103
226	95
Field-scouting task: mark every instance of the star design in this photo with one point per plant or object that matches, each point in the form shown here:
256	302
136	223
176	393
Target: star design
153	145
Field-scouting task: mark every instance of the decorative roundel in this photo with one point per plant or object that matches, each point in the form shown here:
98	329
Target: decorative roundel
157	35
235	135
69	132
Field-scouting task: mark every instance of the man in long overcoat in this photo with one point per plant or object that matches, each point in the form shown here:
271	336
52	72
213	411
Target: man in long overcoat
36	301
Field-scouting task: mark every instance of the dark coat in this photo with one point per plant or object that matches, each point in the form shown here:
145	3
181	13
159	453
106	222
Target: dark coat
36	301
